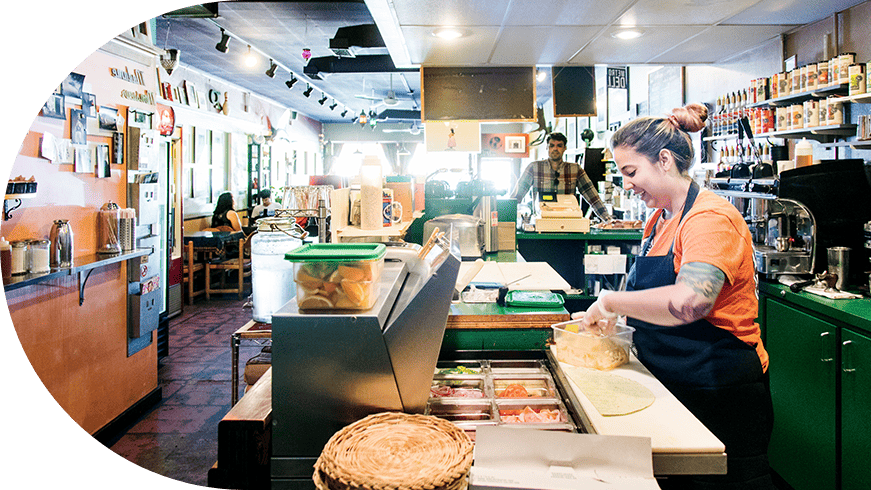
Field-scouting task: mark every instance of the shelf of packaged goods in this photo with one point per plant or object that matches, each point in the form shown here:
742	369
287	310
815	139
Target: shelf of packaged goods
819	93
857	98
743	194
855	145
726	137
818	133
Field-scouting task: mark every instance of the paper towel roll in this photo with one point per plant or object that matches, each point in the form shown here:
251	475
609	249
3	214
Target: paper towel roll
370	194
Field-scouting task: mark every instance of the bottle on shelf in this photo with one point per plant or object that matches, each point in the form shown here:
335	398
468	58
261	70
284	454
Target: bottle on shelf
804	154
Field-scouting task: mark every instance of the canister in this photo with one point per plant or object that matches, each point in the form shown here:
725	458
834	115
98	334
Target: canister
795	81
844	62
812	76
822	74
39	256
811	114
835	111
751	94
775	85
5	258
767	120
783	84
761	90
20	249
797	114
802	79
824	112
782	115
857	79
272	284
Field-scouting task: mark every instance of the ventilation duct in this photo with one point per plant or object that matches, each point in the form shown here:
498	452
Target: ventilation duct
317	68
353	41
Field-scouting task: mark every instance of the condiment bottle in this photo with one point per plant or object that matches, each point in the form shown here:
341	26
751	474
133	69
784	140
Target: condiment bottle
39	258
5	258
19	257
804	153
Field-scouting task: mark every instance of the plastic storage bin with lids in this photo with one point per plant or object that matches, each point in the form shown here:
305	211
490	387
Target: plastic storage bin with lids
337	276
581	348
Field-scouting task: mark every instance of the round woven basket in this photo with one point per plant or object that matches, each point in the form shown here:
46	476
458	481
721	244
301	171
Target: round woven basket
395	451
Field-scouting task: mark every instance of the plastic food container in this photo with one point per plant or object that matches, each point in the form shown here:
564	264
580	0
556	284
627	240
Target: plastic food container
523	388
585	349
337	276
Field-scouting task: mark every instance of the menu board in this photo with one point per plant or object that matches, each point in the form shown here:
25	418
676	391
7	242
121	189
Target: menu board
503	93
665	90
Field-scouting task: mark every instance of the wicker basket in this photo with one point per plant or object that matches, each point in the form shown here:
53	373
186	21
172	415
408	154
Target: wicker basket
395	451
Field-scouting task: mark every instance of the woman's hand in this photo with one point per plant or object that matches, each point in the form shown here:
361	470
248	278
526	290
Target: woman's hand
597	319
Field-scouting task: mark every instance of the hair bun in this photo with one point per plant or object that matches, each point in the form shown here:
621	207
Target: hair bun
690	118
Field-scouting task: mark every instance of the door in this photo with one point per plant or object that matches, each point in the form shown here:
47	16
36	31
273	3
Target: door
802	349
855	410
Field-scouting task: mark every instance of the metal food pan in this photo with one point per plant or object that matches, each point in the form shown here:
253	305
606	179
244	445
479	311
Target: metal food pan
517	367
465	410
506	408
458	387
451	367
536	386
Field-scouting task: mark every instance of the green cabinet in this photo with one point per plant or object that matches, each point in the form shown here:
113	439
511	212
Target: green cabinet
855	409
803	376
820	373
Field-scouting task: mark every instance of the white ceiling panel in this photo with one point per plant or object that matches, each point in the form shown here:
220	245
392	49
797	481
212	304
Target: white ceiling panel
795	12
682	12
607	49
727	41
564	12
450	12
549	46
426	49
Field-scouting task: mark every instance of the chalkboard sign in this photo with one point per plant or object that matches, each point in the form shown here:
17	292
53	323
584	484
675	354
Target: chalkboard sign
665	90
504	93
574	91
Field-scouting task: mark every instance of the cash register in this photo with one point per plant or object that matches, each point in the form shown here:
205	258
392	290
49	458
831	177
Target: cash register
560	213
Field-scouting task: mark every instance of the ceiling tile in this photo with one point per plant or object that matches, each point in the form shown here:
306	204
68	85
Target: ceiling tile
720	42
607	49
682	12
795	12
454	13
564	12
540	45
426	49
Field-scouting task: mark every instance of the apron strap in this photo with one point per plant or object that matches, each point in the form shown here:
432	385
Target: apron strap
692	193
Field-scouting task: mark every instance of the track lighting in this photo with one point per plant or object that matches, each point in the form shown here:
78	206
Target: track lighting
250	59
333	105
272	67
344	112
322	99
292	81
308	90
225	38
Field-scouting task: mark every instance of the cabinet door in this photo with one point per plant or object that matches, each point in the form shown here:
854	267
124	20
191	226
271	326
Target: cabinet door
803	371
855	410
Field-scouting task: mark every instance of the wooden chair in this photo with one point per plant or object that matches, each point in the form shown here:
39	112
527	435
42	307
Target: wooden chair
190	267
241	264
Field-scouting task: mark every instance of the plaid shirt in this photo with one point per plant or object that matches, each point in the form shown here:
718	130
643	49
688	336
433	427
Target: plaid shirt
565	181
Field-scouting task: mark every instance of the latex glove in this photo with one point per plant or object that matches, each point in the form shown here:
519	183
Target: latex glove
597	318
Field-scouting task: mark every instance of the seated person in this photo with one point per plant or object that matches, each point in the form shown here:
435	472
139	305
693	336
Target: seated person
266	207
225	217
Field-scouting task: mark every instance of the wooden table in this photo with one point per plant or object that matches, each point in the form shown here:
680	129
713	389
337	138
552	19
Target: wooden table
255	331
212	241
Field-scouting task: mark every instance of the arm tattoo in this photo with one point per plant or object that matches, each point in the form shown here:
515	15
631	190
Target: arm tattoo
706	281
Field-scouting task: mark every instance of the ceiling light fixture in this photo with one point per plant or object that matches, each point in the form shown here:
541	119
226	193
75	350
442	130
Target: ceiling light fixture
308	90
627	34
292	81
362	119
272	67
344	112
449	33
169	60
225	38
322	99
334	105
250	59
540	75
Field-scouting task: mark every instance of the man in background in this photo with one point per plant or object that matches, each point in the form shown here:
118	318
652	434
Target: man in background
266	207
558	176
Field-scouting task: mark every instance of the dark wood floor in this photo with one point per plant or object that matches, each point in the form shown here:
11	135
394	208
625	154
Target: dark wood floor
178	437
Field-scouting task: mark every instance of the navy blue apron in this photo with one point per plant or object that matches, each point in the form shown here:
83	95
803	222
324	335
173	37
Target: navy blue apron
717	376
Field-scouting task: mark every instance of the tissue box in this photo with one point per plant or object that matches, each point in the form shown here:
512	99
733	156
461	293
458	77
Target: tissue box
605	264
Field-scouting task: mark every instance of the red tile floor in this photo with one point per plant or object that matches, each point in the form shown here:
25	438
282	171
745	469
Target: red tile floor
178	437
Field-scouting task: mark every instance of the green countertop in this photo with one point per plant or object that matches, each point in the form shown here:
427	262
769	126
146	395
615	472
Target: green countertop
854	312
592	235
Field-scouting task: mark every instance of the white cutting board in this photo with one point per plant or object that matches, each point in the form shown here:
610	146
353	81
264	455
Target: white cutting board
670	426
541	276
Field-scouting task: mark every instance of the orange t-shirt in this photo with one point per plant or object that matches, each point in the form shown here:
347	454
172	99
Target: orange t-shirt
714	232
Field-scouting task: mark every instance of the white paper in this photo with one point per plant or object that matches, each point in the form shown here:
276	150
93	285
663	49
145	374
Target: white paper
517	459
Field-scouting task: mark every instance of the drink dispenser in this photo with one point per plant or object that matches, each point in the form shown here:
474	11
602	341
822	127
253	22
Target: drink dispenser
272	282
109	229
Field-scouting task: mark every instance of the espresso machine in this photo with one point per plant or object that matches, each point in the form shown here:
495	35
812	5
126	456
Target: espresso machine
784	236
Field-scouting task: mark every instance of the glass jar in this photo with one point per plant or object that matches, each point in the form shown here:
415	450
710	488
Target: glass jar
272	283
39	256
20	258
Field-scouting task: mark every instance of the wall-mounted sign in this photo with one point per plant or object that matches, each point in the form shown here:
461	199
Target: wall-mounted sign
618	77
166	120
514	145
135	77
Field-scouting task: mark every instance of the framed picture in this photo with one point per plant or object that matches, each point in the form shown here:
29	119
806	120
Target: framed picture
190	94
78	127
515	144
64	151
101	164
118	146
54	107
82	159
108	118
72	86
202	103
167	91
89	105
48	147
